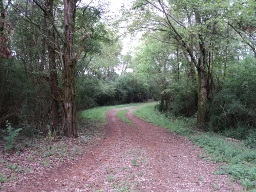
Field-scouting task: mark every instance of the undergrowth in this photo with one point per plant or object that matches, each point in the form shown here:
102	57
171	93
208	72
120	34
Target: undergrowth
180	125
239	158
11	137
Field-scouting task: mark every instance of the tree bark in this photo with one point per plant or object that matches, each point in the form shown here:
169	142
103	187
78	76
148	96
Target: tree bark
49	15
202	102
5	52
69	61
203	83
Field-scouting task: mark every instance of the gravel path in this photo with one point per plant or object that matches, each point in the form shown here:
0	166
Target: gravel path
138	157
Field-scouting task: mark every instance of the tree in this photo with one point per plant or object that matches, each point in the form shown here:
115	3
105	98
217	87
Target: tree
65	31
195	26
241	18
5	52
69	70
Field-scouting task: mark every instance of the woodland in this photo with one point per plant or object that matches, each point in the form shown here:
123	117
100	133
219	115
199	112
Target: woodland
196	58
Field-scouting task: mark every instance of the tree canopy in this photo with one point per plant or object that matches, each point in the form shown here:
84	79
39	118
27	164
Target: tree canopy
195	57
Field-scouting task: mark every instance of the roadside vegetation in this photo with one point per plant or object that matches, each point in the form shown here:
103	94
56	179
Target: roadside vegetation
238	156
121	114
98	114
196	57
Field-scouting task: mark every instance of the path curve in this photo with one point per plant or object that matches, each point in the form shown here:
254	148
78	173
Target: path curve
137	157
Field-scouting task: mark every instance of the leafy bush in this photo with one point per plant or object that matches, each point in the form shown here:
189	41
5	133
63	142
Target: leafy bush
127	88
87	88
251	139
130	89
234	107
180	99
11	137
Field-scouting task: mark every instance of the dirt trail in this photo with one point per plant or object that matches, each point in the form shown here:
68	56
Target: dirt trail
138	157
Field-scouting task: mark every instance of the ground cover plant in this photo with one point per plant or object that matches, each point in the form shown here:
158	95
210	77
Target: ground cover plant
239	159
33	157
180	125
121	115
98	114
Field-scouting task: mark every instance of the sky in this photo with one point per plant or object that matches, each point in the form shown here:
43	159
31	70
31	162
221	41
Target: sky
113	7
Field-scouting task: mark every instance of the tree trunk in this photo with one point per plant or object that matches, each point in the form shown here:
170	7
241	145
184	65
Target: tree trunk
49	15
69	61
203	84
54	93
202	97
5	52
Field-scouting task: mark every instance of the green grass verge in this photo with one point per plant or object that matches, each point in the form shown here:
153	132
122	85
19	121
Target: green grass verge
98	114
240	160
179	125
121	115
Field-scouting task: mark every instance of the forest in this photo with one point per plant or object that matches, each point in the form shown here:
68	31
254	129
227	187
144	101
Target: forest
197	58
190	64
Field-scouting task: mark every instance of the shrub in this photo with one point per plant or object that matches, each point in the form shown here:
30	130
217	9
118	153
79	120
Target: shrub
11	137
180	99
233	109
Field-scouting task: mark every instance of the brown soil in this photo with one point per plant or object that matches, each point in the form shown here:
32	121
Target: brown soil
138	157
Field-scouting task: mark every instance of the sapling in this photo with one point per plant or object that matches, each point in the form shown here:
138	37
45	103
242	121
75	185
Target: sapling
11	138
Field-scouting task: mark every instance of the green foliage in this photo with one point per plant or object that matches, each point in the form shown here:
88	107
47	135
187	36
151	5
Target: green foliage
233	108
3	178
130	89
123	89
121	115
98	114
87	89
240	159
11	137
179	99
180	125
251	139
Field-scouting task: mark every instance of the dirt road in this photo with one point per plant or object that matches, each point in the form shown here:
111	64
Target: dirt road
137	157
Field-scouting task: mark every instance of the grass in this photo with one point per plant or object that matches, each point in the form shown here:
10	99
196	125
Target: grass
97	115
121	115
3	178
240	160
179	125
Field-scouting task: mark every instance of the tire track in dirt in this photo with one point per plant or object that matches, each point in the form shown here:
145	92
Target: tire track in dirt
137	157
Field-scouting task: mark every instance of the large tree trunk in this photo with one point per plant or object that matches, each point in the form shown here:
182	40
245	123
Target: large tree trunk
5	52
203	83
53	68
202	97
54	91
69	60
